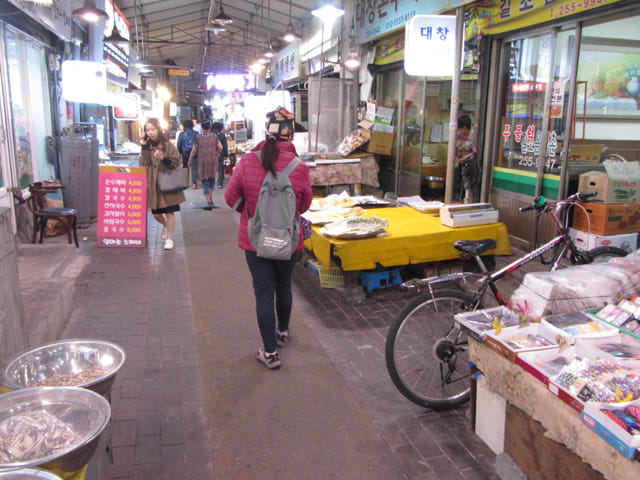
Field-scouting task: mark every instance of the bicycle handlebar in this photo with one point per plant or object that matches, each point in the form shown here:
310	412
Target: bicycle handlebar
539	202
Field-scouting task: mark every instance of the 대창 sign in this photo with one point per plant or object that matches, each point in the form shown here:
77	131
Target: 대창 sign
122	207
430	46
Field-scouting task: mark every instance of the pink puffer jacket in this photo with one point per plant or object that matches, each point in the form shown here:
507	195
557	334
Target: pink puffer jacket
245	184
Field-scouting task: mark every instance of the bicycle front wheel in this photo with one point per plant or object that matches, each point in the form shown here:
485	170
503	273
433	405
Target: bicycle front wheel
604	254
427	355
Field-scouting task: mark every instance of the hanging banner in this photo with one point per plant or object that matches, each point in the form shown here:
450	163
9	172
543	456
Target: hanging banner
122	207
487	17
430	45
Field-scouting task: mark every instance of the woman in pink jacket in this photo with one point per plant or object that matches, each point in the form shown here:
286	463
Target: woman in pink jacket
271	278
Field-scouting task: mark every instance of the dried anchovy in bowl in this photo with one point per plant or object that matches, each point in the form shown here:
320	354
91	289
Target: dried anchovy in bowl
71	379
35	434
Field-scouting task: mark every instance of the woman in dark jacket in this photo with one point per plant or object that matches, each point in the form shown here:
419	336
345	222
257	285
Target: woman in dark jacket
271	278
159	154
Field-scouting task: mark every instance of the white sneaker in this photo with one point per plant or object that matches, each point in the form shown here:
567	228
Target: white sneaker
163	235
168	245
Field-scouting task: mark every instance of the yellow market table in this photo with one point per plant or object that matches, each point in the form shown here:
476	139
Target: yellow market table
413	237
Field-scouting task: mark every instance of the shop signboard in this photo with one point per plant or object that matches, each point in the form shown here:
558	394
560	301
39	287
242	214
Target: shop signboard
285	64
372	20
116	56
432	37
56	17
491	17
122	207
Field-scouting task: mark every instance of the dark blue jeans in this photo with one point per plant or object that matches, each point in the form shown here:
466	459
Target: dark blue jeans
271	280
220	180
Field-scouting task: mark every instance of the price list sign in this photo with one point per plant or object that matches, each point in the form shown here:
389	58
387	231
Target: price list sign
122	207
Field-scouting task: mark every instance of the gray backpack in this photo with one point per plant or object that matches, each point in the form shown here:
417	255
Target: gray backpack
274	230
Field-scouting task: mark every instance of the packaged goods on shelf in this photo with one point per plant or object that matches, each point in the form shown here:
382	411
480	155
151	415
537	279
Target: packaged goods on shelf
479	322
579	325
618	424
511	341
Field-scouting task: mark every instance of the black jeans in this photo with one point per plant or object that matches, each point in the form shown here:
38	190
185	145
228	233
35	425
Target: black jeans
271	279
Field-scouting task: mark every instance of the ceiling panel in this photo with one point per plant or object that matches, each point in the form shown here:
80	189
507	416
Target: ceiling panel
173	31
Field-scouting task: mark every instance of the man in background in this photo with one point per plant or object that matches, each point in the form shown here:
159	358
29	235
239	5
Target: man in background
217	129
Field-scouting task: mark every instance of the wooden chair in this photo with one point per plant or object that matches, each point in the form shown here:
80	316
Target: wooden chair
65	216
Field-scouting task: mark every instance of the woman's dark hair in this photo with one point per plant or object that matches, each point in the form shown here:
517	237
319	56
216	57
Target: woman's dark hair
270	152
156	123
217	127
206	125
464	121
187	124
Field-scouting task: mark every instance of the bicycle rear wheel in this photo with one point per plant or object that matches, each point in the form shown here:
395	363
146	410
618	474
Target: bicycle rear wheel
426	354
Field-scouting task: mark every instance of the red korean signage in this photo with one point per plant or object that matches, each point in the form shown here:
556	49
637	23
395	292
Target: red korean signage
122	207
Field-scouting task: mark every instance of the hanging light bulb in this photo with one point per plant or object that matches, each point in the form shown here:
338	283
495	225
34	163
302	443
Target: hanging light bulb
115	38
89	13
328	13
290	35
222	18
353	58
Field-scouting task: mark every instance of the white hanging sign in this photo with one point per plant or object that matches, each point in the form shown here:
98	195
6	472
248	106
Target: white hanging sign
430	45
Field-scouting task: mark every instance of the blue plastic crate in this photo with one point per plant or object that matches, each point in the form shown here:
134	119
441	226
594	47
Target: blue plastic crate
371	280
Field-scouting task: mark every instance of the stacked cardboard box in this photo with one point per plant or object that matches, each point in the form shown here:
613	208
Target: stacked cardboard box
616	222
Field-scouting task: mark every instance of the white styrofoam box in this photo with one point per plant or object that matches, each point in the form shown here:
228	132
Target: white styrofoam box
491	411
479	322
540	305
587	241
575	319
621	348
615	435
577	288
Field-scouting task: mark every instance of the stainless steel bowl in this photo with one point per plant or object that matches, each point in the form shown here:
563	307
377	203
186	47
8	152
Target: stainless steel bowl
91	364
85	414
28	474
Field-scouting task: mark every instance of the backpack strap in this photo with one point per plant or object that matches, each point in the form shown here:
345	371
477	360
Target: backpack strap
292	166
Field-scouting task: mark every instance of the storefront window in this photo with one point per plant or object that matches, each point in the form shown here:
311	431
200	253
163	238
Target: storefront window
30	106
536	73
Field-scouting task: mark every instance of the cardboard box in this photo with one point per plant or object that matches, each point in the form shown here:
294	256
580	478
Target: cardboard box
587	241
381	142
585	153
620	183
607	219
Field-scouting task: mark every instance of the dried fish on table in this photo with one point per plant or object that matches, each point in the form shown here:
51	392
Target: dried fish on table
34	434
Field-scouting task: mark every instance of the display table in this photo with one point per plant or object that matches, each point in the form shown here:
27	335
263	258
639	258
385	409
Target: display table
352	170
560	422
413	237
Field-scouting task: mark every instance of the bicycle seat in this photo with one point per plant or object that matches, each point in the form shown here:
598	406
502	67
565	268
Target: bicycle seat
475	247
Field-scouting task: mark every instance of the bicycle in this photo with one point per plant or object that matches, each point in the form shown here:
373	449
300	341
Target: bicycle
426	353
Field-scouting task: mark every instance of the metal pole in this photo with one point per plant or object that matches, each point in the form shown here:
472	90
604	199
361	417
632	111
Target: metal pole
319	85
453	118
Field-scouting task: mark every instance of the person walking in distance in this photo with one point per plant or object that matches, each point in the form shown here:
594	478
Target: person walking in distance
224	154
159	154
207	149
271	278
196	125
186	141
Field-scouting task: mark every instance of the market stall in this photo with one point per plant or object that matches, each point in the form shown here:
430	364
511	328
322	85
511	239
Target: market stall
411	237
357	169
